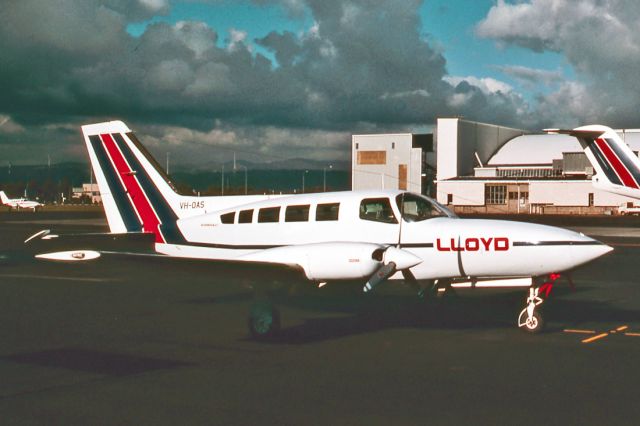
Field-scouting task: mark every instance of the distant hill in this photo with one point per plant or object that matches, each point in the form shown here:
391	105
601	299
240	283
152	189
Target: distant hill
264	180
47	183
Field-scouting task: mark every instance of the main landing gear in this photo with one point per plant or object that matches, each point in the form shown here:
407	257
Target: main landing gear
264	319
531	319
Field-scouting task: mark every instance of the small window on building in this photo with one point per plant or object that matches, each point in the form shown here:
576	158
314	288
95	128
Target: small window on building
296	214
228	217
245	216
269	215
495	194
327	211
591	199
449	198
377	210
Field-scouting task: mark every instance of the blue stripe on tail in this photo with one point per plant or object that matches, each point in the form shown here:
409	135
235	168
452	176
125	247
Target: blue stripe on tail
128	214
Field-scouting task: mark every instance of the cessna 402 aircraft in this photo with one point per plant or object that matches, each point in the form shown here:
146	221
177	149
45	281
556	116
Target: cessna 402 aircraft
19	203
370	236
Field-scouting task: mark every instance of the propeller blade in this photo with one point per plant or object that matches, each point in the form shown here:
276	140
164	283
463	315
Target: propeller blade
384	272
572	286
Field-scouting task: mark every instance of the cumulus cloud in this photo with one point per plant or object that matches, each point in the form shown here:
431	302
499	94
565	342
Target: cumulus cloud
486	85
532	76
72	61
598	38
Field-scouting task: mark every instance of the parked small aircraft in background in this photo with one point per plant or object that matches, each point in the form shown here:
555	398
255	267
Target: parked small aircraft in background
617	167
19	203
370	235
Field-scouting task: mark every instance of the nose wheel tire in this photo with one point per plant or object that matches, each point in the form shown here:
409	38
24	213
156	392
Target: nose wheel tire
533	323
264	320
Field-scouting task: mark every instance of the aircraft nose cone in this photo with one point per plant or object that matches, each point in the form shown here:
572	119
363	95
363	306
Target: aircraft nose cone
588	251
577	248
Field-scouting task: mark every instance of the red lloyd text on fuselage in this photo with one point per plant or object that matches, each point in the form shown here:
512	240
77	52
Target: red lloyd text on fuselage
474	244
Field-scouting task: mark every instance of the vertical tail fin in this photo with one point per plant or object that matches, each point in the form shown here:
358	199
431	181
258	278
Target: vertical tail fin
136	193
3	197
617	167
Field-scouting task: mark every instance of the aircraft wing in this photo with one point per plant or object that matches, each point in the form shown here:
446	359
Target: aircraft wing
139	246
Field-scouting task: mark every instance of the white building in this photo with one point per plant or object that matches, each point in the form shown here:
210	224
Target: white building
484	168
393	161
90	190
532	174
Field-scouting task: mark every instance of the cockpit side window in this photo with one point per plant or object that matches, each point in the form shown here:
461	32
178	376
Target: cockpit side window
377	210
415	208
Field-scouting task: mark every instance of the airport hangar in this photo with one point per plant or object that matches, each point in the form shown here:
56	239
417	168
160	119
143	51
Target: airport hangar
483	168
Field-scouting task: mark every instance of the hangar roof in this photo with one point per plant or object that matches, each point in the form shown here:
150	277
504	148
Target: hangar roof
543	149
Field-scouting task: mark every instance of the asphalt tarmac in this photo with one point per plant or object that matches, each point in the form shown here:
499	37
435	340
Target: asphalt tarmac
140	342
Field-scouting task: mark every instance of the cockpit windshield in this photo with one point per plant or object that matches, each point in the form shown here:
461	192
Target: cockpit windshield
415	208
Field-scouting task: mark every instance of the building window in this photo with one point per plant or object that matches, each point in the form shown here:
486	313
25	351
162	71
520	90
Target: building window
245	216
372	157
495	194
228	217
296	214
402	176
327	211
269	215
377	210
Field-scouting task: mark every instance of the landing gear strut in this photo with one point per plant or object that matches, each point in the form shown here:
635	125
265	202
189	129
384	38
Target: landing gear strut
530	318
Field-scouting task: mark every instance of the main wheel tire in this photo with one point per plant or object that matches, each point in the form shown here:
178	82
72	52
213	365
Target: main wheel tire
532	325
264	320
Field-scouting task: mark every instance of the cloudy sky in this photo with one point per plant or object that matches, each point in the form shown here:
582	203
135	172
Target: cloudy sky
274	79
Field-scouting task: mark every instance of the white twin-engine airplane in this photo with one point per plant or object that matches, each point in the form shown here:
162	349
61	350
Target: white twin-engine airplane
370	236
617	167
19	203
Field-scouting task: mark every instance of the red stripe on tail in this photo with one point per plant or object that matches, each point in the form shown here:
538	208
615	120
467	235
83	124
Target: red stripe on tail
150	220
620	169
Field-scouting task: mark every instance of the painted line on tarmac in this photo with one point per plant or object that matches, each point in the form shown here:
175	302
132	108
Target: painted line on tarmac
52	277
594	338
599	336
570	330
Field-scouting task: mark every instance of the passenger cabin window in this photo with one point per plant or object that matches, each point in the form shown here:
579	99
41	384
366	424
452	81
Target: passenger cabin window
415	208
245	216
296	214
269	215
228	217
327	212
377	210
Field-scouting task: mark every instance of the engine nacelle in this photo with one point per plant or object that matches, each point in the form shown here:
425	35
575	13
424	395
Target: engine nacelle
327	261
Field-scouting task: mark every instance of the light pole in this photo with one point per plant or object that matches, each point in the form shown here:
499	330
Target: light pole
324	178
303	175
245	178
222	181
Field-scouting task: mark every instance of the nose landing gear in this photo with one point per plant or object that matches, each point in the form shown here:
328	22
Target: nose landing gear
531	319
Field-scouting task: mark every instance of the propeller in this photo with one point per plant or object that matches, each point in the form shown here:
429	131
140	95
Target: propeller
393	259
